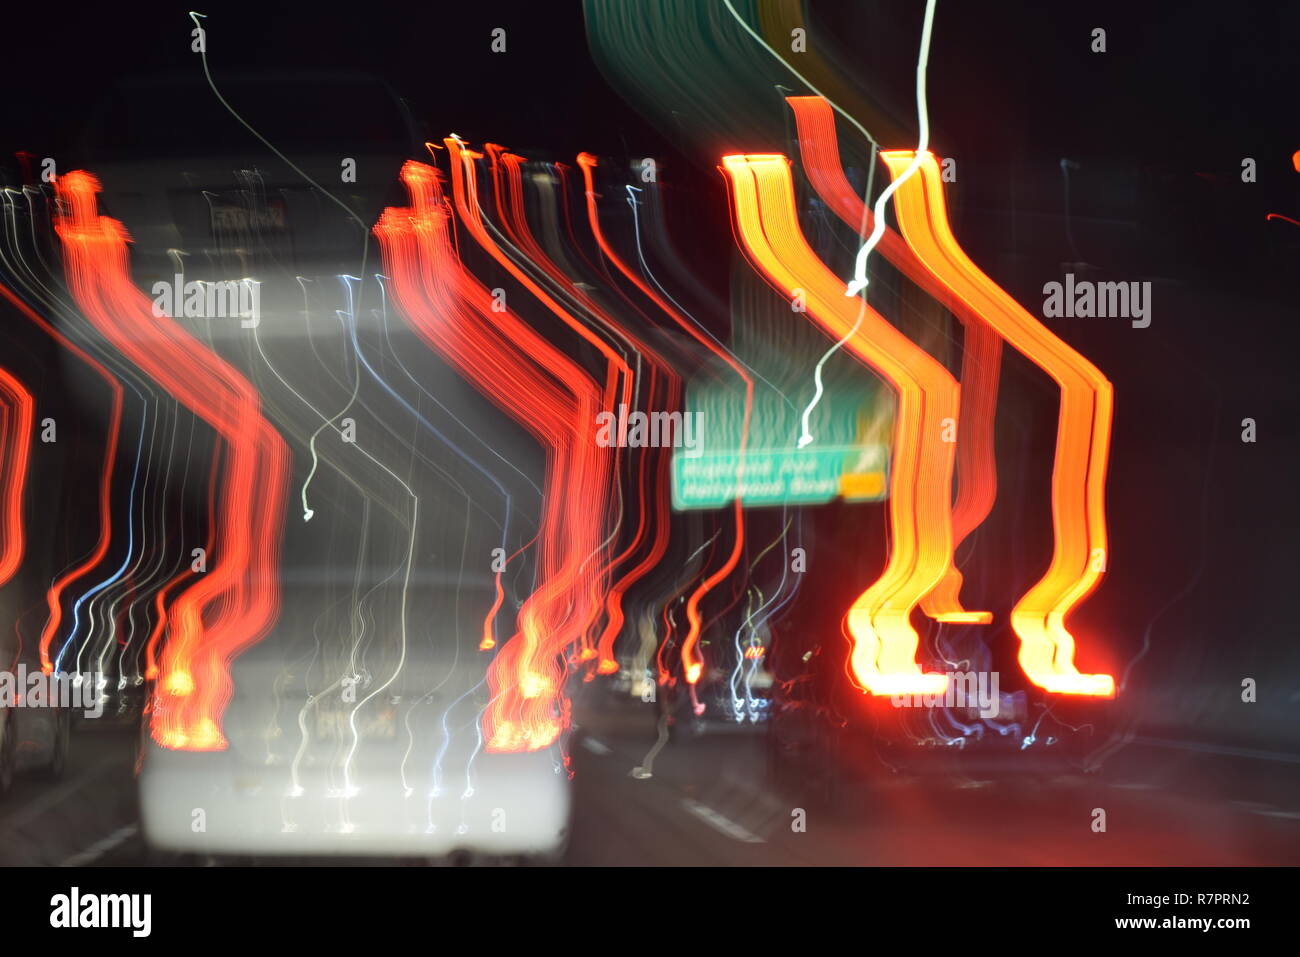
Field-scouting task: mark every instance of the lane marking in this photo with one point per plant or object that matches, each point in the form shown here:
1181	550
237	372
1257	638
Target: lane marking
1286	815
720	823
102	847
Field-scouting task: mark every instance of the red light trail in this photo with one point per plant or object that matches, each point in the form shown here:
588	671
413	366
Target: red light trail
236	602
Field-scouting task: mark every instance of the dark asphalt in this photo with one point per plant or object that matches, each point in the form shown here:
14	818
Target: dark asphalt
708	801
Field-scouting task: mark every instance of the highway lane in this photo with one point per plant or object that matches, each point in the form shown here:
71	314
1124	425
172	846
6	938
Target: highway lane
708	801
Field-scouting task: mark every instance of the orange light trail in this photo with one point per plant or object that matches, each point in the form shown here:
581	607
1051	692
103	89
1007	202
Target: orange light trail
1079	554
554	399
236	602
884	643
977	476
654	469
465	192
692	661
516	226
164	593
17	413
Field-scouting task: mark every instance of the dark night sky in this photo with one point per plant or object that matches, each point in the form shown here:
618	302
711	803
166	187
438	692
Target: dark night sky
1199	81
1184	89
1173	72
